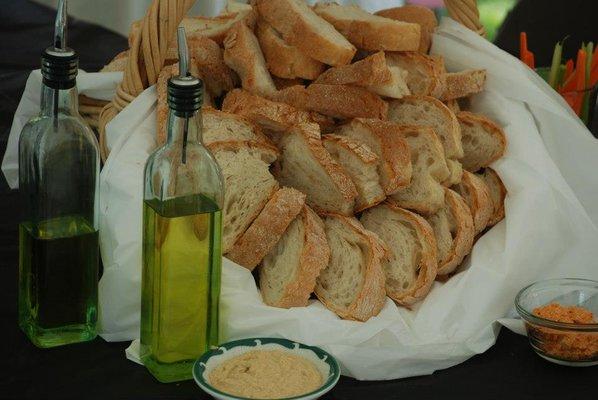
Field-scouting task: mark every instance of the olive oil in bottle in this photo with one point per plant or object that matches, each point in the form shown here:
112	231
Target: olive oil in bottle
182	254
59	166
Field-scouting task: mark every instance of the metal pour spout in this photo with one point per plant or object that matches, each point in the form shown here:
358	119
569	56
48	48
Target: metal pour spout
183	52
60	26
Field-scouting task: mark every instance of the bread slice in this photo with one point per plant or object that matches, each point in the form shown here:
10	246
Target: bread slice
370	32
301	27
454	232
221	126
217	76
361	164
483	141
270	115
282	83
425	74
352	284
423	16
307	166
386	140
337	101
464	83
216	28
477	196
453	105
266	230
498	193
284	60
411	266
372	73
430	112
248	187
265	152
288	273
425	193
242	53
118	63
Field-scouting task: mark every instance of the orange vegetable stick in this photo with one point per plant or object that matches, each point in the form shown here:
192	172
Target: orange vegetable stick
580	80
568	70
594	76
531	60
523	47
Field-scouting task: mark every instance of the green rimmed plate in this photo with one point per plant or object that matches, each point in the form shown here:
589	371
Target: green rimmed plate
323	361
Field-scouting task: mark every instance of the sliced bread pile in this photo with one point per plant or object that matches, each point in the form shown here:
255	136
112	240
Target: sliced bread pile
353	171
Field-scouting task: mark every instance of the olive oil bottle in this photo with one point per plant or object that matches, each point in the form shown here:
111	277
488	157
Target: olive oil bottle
182	226
58	182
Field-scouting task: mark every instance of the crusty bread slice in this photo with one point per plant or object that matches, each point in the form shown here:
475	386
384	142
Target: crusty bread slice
477	196
454	232
217	76
425	193
411	266
242	53
233	6
221	126
483	140
370	32
464	83
386	140
301	27
425	74
307	166
423	16
361	164
372	73
248	187
453	105
266	230
288	273
282	83
352	284
337	101
118	63
284	60
498	193
266	152
430	112
270	115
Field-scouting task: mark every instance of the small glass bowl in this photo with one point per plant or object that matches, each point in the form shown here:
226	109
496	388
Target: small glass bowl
568	344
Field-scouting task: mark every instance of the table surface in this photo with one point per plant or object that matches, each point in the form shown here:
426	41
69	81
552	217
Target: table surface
98	369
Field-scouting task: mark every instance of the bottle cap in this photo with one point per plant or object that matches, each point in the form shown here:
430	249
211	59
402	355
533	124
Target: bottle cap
185	92
59	63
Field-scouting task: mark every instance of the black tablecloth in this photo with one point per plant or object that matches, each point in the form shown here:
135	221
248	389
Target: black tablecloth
509	370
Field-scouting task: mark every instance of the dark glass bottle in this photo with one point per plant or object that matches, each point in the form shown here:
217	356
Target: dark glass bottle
58	236
182	228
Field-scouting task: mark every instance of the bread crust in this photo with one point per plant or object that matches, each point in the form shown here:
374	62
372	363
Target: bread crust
257	130
268	153
464	83
493	181
470	119
314	258
242	53
270	115
265	231
338	101
422	16
428	263
118	63
396	155
294	20
283	60
370	300
477	196
370	32
372	70
464	232
432	72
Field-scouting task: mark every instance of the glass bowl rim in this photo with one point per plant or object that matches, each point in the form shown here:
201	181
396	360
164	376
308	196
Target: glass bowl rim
535	320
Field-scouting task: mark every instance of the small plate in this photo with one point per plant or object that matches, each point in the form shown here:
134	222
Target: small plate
323	361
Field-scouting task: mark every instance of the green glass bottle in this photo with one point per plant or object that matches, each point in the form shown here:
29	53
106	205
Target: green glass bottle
182	227
58	236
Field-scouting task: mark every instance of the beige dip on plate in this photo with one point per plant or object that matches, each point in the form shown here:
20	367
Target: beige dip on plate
266	374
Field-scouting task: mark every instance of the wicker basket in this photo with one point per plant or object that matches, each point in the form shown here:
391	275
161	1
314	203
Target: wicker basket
148	51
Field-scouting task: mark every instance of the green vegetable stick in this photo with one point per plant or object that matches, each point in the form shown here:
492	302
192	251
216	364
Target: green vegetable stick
556	62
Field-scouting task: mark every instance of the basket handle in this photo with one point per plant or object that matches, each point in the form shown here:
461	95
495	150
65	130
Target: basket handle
466	12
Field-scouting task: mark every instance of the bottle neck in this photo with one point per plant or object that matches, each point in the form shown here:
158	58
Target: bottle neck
177	126
59	101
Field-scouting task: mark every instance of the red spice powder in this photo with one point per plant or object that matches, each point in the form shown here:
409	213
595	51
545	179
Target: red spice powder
562	344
